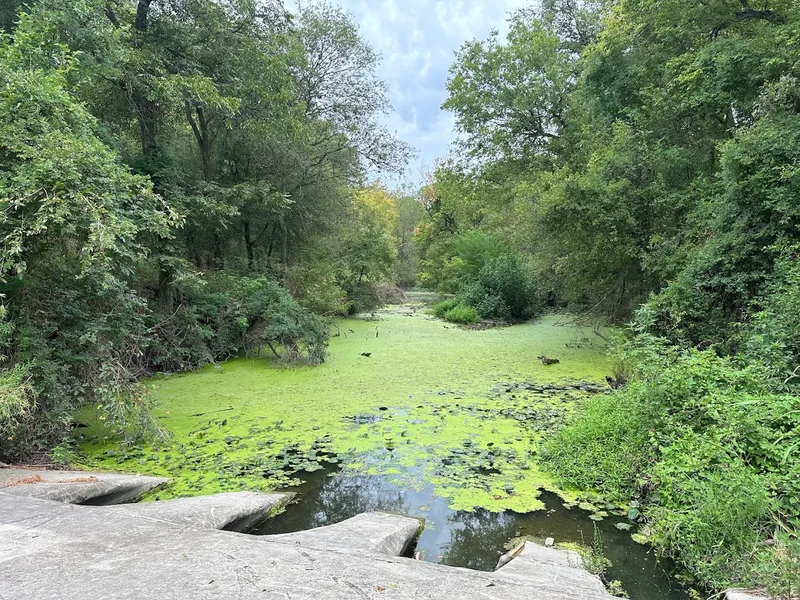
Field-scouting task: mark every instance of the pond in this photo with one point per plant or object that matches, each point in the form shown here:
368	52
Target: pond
411	413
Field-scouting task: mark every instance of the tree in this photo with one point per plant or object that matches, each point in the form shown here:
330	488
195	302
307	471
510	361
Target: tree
509	98
338	85
76	225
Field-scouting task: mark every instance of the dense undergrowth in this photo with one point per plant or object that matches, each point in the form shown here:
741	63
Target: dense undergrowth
709	446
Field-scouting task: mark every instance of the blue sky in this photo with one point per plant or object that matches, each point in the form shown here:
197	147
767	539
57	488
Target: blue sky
418	39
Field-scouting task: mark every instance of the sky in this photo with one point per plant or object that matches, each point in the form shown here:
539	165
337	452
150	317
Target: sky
418	40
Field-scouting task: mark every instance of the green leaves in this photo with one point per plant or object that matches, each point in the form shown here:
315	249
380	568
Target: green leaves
707	441
509	98
59	182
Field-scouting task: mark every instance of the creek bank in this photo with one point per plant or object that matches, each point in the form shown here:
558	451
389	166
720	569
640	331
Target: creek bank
57	550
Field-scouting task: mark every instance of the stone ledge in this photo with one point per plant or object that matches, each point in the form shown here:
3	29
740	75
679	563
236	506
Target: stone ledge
67	552
377	532
77	487
746	595
234	511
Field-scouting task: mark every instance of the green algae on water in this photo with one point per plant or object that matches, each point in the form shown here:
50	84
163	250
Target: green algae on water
403	395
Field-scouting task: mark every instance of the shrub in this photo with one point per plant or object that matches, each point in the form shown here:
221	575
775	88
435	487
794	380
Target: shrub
502	290
314	286
461	314
713	509
225	315
605	448
773	336
445	306
706	442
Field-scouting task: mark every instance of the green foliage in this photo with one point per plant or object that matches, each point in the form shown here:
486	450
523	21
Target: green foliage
17	401
463	315
77	223
161	170
455	311
656	176
502	290
508	98
593	557
479	268
605	448
615	589
440	308
225	315
711	447
755	214
714	510
772	336
450	263
778	568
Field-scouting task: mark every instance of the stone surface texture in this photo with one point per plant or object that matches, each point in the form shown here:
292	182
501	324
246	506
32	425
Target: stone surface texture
745	595
77	487
234	511
174	550
381	533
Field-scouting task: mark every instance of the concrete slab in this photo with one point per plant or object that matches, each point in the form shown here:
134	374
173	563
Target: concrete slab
562	565
50	550
382	533
76	487
235	511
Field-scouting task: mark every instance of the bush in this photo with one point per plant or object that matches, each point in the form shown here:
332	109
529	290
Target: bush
464	315
706	443
444	307
713	509
606	448
502	290
455	311
224	315
314	286
773	336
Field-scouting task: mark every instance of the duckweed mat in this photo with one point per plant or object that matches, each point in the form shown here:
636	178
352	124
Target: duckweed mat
402	395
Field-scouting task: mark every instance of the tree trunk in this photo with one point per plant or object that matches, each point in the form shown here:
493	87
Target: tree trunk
219	261
146	115
145	108
201	135
284	244
248	242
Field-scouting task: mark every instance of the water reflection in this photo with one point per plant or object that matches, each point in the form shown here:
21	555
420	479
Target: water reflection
474	539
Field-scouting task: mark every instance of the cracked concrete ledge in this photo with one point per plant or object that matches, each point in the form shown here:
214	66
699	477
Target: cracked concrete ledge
382	533
77	487
176	550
